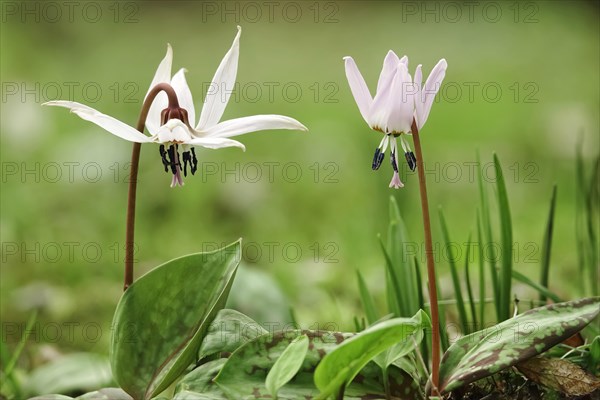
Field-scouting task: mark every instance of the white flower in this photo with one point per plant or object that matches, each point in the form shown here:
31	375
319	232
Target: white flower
397	103
174	127
424	96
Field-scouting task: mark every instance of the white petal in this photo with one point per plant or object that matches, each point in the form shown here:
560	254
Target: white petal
404	60
254	123
418	79
401	105
432	86
359	88
162	75
221	87
174	131
184	95
216	143
104	121
387	72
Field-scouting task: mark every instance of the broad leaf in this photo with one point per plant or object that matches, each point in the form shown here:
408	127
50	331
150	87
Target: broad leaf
78	372
339	367
486	352
228	331
245	372
242	376
287	365
162	318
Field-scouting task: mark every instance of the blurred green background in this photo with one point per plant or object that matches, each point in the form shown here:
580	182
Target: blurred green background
522	81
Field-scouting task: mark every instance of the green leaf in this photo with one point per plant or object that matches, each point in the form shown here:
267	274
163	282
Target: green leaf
367	299
228	331
287	365
489	238
460	304
162	318
547	245
534	285
505	283
247	368
486	352
244	373
469	288
481	274
401	262
77	372
106	394
198	384
339	367
593	359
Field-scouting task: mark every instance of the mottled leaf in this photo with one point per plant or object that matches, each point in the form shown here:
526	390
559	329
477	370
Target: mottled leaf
244	373
106	394
560	375
228	331
162	318
339	367
486	352
77	372
287	365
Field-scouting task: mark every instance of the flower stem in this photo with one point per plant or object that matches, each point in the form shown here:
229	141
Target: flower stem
135	161
431	281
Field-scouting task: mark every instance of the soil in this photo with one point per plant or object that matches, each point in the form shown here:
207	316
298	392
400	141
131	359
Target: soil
512	386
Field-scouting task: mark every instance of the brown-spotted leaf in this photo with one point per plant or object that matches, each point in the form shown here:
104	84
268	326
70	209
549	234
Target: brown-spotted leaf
486	352
560	375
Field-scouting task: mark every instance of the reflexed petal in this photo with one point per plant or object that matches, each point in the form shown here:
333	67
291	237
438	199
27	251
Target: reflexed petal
432	86
162	75
387	72
239	126
104	121
401	104
418	79
379	112
216	143
359	88
221	87
184	95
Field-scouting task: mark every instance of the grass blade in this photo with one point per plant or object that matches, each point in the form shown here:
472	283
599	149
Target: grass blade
393	288
424	343
489	239
505	275
469	289
460	304
481	275
534	285
367	299
547	245
402	264
8	370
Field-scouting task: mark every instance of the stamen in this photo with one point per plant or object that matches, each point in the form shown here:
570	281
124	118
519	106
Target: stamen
393	159
186	160
163	156
172	159
377	159
194	162
411	160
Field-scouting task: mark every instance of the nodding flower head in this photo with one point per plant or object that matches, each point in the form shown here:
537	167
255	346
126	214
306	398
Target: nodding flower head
398	102
171	117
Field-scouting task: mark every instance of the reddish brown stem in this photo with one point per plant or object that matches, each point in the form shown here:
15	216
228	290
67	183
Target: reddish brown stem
135	161
431	281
